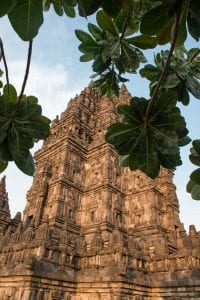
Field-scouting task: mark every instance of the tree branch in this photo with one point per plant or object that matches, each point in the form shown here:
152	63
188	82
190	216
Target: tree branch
5	63
165	68
26	72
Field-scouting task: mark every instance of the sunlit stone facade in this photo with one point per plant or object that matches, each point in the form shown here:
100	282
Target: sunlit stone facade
92	230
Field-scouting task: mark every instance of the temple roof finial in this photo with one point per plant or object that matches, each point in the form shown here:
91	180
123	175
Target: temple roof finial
3	193
3	182
123	89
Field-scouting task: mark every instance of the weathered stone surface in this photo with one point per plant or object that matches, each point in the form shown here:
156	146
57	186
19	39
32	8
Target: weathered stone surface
92	229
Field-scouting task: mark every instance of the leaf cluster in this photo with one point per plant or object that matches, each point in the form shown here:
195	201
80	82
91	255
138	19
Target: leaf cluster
193	185
112	50
61	7
148	144
26	16
159	20
193	19
113	8
182	76
21	124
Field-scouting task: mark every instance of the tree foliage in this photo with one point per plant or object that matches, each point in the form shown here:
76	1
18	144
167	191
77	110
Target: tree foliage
151	130
149	144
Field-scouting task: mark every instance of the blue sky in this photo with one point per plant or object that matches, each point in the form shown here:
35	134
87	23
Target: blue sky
56	75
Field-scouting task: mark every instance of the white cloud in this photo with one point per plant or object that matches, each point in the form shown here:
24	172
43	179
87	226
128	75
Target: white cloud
49	83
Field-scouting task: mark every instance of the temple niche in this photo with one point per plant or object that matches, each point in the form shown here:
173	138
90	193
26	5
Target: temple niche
92	229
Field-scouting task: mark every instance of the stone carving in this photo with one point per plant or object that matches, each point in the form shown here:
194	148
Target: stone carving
91	229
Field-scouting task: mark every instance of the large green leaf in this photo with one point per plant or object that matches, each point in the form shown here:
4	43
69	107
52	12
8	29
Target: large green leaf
171	81
193	27
182	32
184	141
193	52
196	192
57	4
46	5
193	86
111	50
164	36
125	24
190	186
90	48
83	36
166	102
129	58
150	72
7	106
99	65
195	176
3	165
141	56
30	100
88	7
28	111
193	185
95	31
168	161
127	113
153	142
20	126
69	10
26	18
195	159
154	21
120	20
182	93
30	122
194	189
196	145
195	69
10	91
106	23
4	126
148	157
195	9
86	57
71	3
143	42
37	128
6	6
19	143
26	165
112	7
5	154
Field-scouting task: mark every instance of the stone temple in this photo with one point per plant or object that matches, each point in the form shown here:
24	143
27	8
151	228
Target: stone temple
92	230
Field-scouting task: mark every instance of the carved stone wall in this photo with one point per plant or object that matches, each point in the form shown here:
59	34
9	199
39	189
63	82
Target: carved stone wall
92	229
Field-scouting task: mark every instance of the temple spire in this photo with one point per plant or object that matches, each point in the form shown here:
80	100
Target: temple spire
3	195
3	184
125	96
4	206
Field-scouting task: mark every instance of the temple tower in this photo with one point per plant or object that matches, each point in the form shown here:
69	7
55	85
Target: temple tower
92	229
